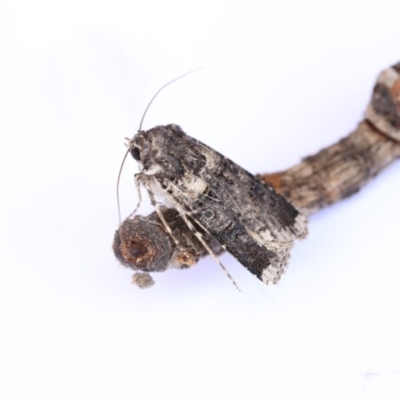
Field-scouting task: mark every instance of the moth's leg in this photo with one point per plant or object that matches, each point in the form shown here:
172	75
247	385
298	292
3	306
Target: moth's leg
199	236
137	178
160	215
205	245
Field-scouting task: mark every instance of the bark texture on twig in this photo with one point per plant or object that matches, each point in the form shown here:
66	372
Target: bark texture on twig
336	172
342	169
384	109
332	174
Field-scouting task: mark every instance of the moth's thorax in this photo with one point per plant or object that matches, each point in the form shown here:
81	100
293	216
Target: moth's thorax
166	150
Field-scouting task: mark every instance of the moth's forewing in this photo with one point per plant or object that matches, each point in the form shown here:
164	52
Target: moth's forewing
254	223
247	217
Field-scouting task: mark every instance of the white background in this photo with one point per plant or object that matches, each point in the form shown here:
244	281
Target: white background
281	80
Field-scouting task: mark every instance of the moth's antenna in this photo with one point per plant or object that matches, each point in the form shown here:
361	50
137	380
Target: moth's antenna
118	180
161	88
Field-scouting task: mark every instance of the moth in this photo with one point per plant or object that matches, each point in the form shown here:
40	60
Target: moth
213	199
216	197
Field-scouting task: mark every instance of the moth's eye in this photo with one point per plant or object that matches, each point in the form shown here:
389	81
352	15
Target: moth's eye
135	153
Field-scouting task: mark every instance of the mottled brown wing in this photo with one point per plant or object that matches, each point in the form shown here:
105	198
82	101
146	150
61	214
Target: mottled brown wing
247	217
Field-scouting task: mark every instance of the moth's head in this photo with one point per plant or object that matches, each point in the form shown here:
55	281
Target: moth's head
155	149
137	145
